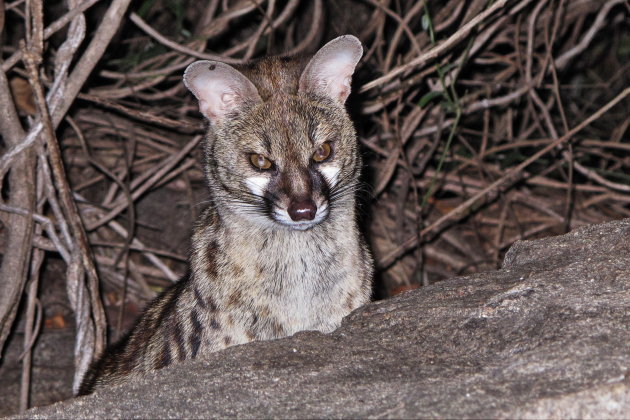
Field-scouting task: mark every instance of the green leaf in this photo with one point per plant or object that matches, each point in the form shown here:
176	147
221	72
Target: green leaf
426	22
429	97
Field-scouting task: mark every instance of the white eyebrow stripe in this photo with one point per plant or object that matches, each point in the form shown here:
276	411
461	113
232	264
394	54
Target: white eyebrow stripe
331	173
257	184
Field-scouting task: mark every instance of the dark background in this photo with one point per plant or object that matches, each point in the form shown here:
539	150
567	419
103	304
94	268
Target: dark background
442	138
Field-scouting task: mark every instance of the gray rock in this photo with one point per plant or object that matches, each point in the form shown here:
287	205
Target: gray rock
548	335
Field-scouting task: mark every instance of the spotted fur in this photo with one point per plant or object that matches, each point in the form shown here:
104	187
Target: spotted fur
255	274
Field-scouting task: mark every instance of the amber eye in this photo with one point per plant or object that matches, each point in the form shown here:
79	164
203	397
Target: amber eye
260	162
322	153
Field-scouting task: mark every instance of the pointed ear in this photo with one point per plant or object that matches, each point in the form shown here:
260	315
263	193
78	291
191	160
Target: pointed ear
219	88
330	71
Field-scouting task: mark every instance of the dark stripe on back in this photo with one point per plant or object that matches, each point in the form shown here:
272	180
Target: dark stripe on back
166	302
128	362
198	298
165	358
211	264
179	340
195	338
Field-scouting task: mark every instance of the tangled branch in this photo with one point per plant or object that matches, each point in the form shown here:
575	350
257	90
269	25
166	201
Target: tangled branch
482	123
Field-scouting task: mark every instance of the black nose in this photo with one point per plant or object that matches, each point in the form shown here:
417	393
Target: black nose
302	210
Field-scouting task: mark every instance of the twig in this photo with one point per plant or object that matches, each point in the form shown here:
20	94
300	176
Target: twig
32	58
62	99
167	165
142	115
52	29
453	40
177	47
15	260
313	31
502	182
564	59
31	328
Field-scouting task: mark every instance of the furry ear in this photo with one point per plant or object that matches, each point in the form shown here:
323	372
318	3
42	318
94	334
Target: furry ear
219	88
330	71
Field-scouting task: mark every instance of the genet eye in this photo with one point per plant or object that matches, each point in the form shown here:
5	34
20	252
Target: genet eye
323	152
260	162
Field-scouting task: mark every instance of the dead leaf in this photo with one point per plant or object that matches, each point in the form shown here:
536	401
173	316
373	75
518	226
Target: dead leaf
402	288
56	322
23	96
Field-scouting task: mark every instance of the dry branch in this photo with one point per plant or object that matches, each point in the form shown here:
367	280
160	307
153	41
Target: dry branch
464	112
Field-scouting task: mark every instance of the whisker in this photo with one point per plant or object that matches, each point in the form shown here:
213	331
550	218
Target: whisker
246	202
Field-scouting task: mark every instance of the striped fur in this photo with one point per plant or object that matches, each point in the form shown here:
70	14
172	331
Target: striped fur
254	275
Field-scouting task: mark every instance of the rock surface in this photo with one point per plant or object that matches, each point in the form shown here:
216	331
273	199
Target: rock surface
548	335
